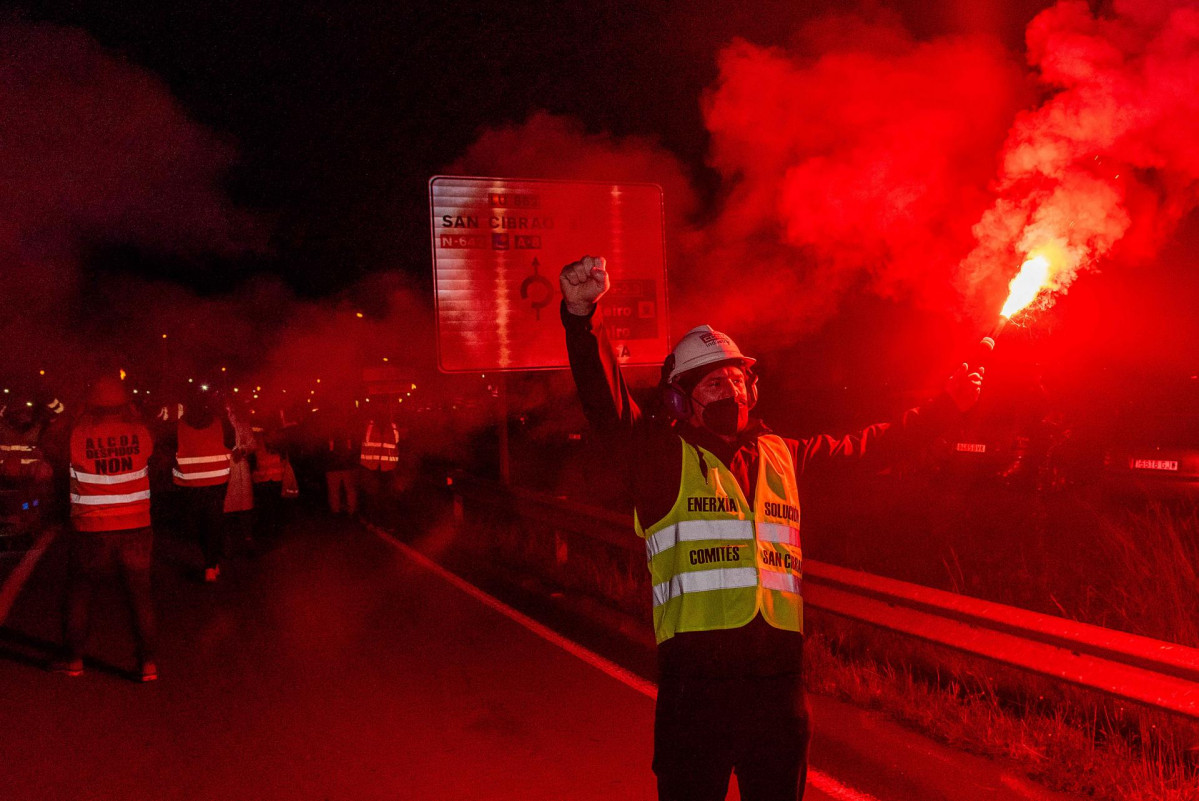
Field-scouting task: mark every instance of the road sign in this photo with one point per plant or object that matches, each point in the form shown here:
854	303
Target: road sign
498	245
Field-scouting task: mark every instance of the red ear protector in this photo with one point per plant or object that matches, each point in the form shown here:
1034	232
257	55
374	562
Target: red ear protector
678	403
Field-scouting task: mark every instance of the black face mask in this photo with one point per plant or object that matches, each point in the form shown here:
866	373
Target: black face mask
726	417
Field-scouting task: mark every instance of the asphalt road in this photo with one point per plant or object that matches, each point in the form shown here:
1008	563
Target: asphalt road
340	666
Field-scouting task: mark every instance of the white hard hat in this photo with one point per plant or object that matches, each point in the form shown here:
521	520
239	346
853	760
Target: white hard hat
702	346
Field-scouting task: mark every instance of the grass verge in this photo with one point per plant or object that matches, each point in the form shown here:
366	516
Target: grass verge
1066	739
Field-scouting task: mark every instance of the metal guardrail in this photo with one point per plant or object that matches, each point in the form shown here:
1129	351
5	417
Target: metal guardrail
1152	672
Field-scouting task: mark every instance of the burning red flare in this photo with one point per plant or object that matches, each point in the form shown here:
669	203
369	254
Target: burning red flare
1028	283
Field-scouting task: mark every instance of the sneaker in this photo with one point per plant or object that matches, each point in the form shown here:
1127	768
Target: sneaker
211	574
148	671
68	667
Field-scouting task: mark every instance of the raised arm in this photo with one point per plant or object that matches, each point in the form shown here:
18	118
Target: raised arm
881	444
602	390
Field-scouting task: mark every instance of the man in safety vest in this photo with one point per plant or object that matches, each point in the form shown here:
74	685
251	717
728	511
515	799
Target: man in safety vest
203	461
110	515
377	459
717	502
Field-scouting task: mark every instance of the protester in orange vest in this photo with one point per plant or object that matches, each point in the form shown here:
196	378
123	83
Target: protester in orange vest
110	514
203	458
378	458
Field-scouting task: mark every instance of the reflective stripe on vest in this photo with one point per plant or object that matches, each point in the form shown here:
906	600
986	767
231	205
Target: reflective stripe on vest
715	560
29	454
96	478
108	500
377	454
202	459
110	477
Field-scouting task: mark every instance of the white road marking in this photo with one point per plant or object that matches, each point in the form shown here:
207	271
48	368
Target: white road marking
20	574
590	657
821	781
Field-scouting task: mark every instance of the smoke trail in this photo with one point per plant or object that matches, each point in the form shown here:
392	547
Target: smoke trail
1109	156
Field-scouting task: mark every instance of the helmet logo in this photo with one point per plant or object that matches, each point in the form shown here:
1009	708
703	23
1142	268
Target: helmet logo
715	338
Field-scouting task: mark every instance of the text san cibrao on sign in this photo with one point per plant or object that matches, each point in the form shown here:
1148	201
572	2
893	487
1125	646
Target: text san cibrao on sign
498	245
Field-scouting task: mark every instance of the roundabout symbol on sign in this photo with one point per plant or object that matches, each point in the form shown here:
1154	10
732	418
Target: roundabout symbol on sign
537	290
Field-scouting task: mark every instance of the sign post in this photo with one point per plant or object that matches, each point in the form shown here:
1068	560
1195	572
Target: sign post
502	422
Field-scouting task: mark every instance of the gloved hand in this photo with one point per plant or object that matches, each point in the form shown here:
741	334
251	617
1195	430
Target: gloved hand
583	283
965	386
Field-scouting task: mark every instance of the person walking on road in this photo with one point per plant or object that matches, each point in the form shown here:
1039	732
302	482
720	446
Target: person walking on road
341	468
239	491
110	515
378	458
268	467
203	456
716	498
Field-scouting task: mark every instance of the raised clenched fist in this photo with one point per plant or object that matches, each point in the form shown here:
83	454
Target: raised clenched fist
583	283
965	386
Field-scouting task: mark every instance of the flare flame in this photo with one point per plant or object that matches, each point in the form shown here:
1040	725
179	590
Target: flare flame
1028	283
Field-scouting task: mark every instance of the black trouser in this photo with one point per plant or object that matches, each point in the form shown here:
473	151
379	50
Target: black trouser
268	507
706	729
95	557
204	520
374	486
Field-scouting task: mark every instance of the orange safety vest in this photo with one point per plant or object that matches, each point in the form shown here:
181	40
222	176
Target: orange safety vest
202	460
110	481
379	454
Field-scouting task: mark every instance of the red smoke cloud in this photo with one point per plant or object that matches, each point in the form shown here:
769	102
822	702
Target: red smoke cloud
96	151
856	163
548	146
1110	155
99	147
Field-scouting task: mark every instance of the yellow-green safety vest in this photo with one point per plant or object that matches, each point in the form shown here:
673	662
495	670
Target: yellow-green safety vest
716	560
